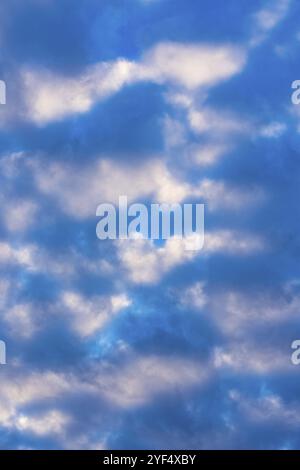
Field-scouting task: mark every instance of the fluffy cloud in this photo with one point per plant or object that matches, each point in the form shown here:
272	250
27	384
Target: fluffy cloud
268	409
19	215
194	296
146	377
52	422
207	120
90	315
273	130
36	259
22	255
232	243
137	382
238	313
219	196
219	129
79	192
146	263
50	97
19	390
22	320
208	154
192	65
266	19
251	358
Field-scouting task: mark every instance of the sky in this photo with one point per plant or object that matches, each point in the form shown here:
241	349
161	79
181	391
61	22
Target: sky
132	344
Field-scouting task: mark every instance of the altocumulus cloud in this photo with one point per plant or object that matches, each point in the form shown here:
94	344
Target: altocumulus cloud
136	344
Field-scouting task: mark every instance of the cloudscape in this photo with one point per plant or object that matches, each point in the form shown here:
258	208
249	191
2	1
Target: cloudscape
140	343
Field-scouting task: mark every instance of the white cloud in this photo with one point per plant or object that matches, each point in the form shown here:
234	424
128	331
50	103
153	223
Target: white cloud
266	19
241	312
90	315
174	133
207	154
138	381
22	255
269	17
80	191
19	390
10	164
19	215
132	255
194	296
145	377
267	409
87	315
207	120
219	128
273	130
218	195
232	243
22	320
5	290
246	357
52	422
146	263
50	97
37	259
192	65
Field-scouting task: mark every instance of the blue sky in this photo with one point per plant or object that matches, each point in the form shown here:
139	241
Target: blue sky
131	344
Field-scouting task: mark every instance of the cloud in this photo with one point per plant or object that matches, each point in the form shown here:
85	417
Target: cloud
50	97
219	129
244	312
274	130
19	389
135	383
22	255
268	409
266	19
146	263
80	191
208	154
19	215
146	377
194	296
233	243
192	65
52	422
251	358
86	315
90	315
206	120
219	196
22	320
